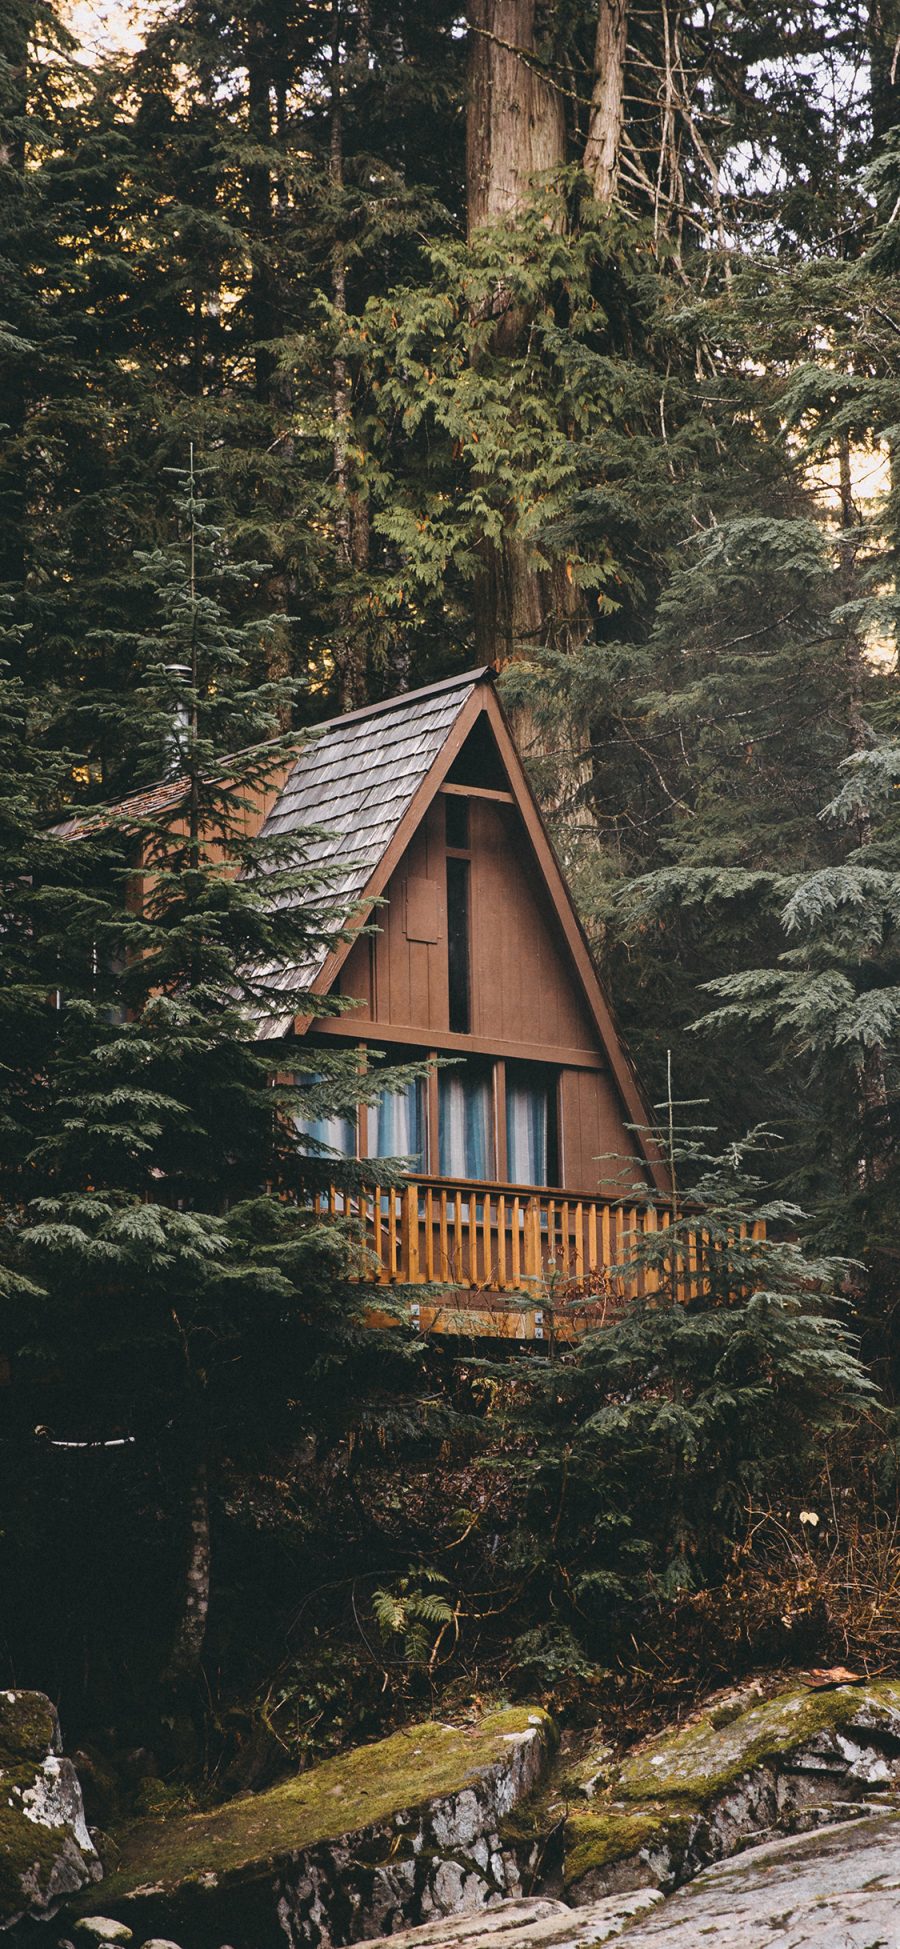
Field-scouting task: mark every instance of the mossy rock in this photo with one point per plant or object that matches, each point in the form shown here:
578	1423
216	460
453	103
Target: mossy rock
422	1795
46	1851
668	1789
597	1840
29	1728
702	1759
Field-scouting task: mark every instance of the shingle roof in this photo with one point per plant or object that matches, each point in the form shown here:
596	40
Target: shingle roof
356	779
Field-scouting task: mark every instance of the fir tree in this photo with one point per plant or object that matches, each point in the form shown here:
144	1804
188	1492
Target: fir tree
177	1276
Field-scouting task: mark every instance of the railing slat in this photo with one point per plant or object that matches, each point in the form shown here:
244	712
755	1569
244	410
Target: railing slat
411	1234
445	1248
392	1234
487	1255
429	1235
593	1261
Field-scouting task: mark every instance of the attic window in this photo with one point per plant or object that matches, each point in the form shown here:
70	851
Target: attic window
457	816
458	943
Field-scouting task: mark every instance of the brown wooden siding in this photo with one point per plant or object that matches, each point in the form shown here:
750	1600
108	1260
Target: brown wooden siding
593	1134
522	987
526	998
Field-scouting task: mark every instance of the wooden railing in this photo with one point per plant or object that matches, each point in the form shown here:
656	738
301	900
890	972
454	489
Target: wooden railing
523	1252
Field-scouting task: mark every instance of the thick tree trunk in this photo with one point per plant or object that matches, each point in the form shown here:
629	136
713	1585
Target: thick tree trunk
604	136
187	1647
515	129
515	134
883	29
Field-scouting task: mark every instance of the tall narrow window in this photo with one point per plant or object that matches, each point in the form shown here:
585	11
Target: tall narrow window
458	943
465	1122
530	1132
456	820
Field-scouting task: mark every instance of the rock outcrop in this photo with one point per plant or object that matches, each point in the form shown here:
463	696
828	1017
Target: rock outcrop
46	1852
746	1768
401	1831
838	1888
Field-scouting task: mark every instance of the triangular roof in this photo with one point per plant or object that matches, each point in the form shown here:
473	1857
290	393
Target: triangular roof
368	778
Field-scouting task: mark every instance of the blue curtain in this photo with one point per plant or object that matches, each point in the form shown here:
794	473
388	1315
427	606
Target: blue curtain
465	1135
338	1132
400	1124
527	1125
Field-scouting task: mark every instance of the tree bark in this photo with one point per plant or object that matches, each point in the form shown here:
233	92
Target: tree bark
351	525
515	128
515	133
187	1647
606	119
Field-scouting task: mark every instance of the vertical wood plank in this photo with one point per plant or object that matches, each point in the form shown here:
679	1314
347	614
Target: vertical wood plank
501	1243
531	1241
565	1244
411	1229
592	1247
458	1235
377	1238
487	1254
516	1263
579	1243
444	1245
651	1273
392	1234
429	1235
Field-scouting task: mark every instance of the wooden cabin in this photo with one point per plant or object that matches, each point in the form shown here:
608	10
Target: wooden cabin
526	1152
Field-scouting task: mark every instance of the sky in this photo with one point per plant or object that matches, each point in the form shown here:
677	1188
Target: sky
107	26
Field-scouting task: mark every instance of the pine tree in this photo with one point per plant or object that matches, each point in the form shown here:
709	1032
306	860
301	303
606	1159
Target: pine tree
638	1449
175	1271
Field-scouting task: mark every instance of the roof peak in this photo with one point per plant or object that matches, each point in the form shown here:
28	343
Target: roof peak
485	672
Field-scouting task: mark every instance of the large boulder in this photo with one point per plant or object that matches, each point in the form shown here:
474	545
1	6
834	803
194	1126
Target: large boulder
46	1852
743	1768
400	1831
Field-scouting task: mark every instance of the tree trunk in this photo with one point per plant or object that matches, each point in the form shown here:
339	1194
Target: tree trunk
515	132
187	1647
605	122
259	200
515	128
883	28
351	526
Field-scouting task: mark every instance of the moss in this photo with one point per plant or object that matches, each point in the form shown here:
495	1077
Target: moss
28	1726
422	1763
28	1849
594	1840
702	1759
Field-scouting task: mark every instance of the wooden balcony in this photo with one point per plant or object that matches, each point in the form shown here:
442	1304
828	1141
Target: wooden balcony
517	1261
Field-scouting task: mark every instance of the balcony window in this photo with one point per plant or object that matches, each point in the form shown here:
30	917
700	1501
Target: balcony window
337	1133
465	1122
397	1125
529	1125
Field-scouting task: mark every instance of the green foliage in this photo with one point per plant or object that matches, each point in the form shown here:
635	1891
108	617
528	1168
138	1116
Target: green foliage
412	1611
640	1448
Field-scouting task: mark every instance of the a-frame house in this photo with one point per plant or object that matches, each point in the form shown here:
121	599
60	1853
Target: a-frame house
525	1153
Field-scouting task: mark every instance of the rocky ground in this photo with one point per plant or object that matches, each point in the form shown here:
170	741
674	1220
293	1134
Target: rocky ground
768	1815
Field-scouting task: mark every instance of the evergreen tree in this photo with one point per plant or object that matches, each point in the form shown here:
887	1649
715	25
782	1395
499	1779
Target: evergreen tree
175	1275
721	1383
